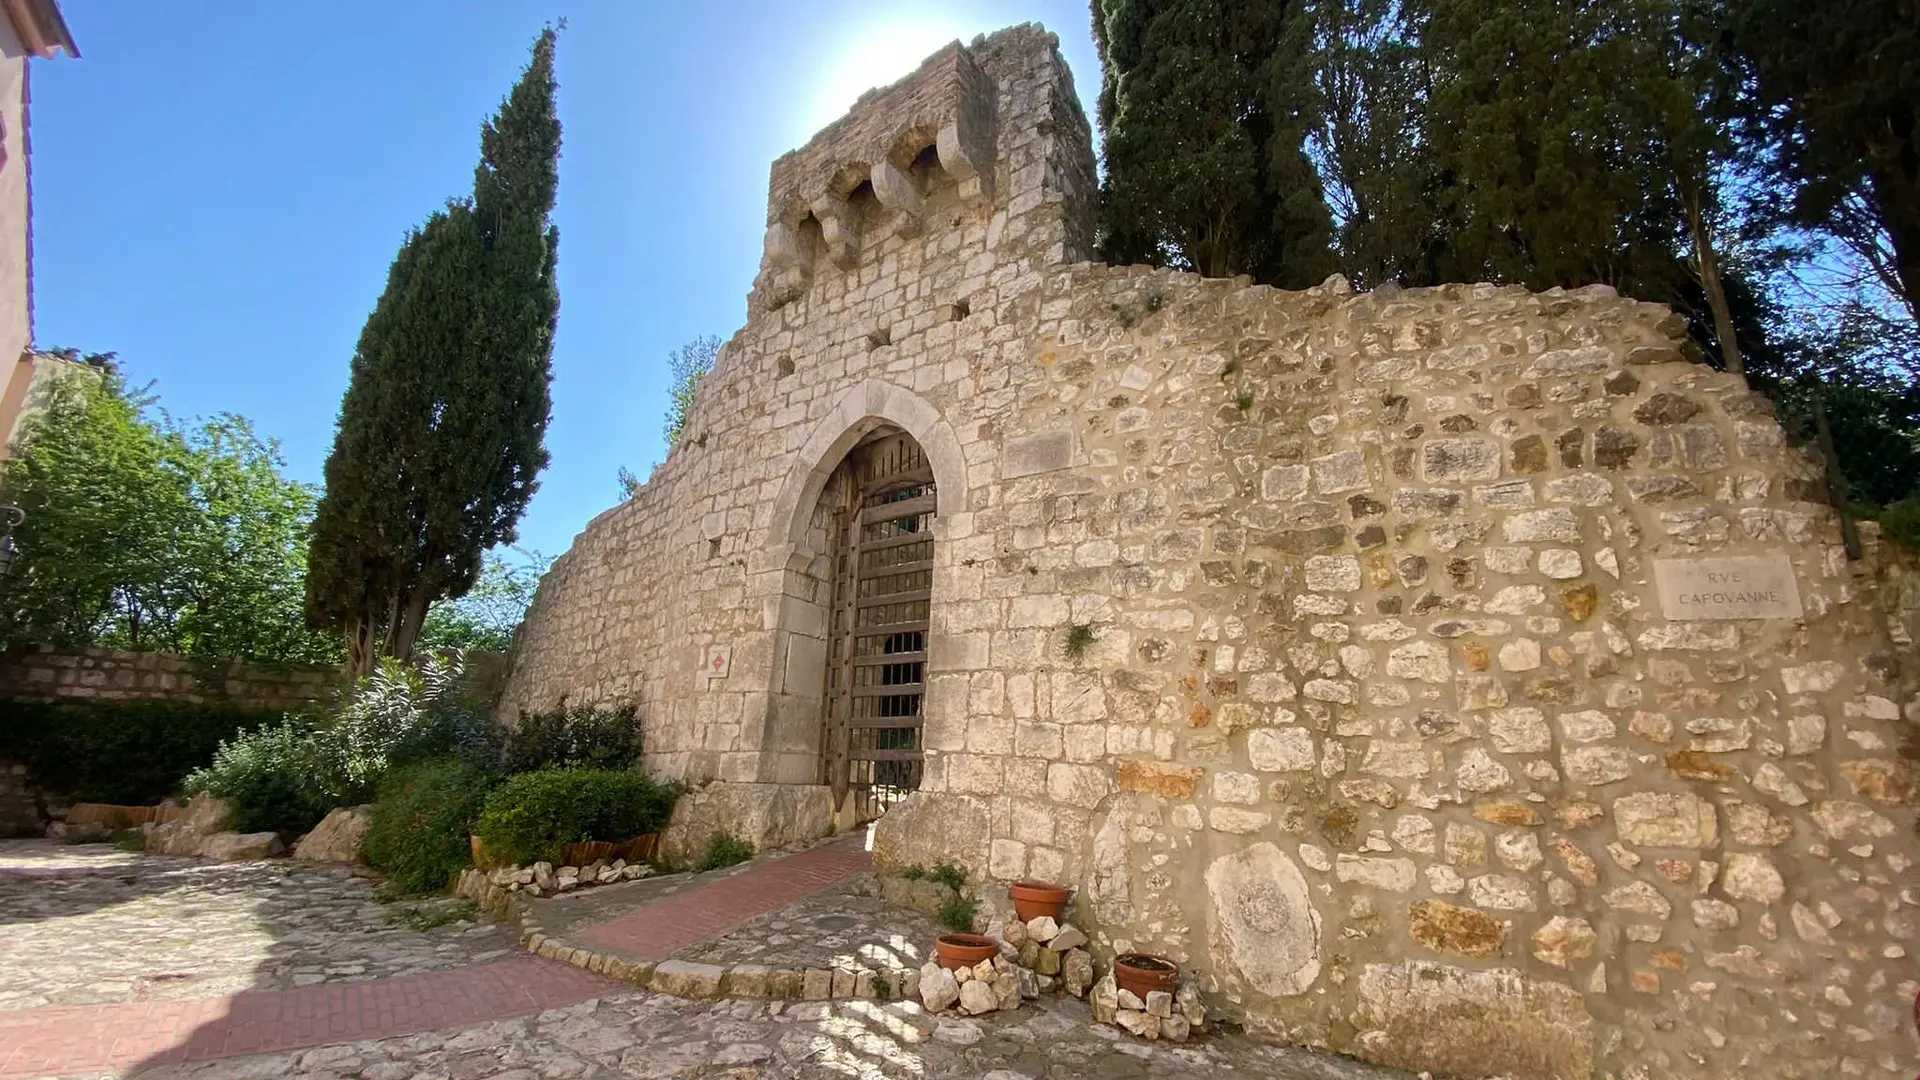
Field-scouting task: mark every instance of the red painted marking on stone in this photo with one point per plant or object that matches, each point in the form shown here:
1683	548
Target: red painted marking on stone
666	926
92	1038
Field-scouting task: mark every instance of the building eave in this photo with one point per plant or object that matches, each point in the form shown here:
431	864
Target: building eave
40	26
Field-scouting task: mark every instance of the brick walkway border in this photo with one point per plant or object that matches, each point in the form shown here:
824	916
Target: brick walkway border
662	928
93	1038
638	947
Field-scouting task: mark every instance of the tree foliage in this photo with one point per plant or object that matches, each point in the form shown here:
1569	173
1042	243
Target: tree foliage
487	616
440	432
1833	96
1205	168
686	366
1754	164
143	533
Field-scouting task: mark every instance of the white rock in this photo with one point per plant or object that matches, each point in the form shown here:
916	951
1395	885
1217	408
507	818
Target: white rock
1042	928
1752	877
938	990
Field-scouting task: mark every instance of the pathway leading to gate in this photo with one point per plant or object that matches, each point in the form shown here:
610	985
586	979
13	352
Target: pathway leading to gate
68	1040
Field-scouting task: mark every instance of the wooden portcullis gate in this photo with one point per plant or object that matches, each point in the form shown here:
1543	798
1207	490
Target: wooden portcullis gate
876	672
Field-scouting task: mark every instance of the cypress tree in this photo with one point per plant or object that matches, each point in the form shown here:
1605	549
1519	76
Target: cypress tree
1551	170
440	433
1205	170
1362	84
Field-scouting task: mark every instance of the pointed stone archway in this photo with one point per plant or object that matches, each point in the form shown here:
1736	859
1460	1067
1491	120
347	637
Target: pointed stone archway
853	545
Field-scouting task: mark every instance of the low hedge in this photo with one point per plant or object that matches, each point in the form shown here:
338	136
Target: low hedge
535	814
130	753
417	830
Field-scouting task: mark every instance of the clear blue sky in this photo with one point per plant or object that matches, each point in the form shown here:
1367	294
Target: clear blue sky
220	186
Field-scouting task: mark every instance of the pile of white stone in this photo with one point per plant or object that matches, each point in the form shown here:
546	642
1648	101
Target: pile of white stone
988	986
1161	1016
1052	951
1036	957
543	878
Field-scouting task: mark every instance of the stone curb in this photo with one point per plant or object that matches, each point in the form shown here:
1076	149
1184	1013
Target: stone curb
685	979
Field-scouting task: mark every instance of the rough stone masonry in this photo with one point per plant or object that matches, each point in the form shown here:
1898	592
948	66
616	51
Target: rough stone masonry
1476	684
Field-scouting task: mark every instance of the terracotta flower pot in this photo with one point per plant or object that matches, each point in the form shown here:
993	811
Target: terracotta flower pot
1141	973
1032	899
955	951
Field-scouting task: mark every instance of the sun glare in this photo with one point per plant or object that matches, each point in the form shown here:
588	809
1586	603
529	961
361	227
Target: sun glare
878	56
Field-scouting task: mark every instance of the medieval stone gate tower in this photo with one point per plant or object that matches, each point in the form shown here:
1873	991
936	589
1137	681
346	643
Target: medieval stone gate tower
1469	681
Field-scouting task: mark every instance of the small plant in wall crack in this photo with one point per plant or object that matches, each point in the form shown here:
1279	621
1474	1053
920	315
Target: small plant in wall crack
1080	637
1243	400
957	913
947	874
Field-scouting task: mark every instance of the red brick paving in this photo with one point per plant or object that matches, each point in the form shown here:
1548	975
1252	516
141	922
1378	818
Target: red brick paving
666	926
94	1038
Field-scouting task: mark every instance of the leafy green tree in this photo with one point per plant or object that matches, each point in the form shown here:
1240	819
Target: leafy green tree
440	432
686	366
1205	166
147	535
486	617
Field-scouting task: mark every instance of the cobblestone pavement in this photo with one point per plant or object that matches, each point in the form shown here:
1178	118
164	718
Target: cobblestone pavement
90	925
87	924
844	926
644	1035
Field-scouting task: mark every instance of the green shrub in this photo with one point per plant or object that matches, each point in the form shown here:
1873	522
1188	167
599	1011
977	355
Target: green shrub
535	814
581	736
957	912
1901	520
417	832
130	753
286	777
723	850
266	775
397	716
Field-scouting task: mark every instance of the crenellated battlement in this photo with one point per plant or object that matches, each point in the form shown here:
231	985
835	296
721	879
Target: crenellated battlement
952	134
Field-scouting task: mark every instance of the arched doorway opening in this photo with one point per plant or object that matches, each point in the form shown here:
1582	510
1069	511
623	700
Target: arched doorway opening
883	501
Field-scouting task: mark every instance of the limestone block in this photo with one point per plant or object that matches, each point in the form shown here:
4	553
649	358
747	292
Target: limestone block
1661	819
1563	941
977	997
765	815
682	978
237	847
1442	927
1263	929
1475	1023
938	988
204	816
337	837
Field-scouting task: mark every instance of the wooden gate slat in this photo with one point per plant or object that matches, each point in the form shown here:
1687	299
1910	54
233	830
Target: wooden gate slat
889	487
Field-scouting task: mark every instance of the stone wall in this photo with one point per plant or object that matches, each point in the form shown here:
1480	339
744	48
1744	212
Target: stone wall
41	674
48	675
1422	719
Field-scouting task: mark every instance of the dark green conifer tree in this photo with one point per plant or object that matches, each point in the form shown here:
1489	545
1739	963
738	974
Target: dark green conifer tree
1205	169
440	432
